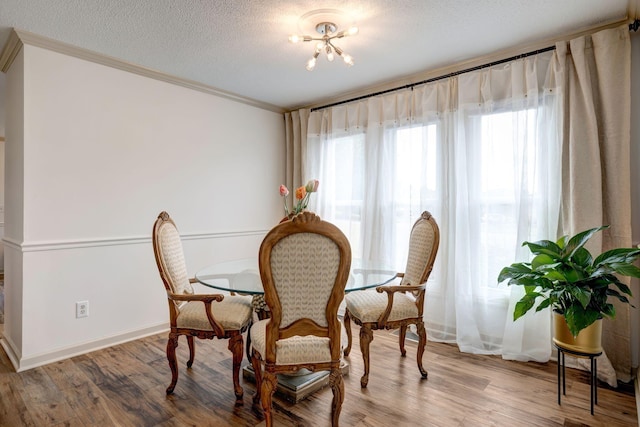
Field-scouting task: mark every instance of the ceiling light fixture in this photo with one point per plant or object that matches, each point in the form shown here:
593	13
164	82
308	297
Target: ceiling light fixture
329	32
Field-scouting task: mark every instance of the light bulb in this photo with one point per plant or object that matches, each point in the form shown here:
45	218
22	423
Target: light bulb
294	38
347	59
353	31
311	64
329	53
320	46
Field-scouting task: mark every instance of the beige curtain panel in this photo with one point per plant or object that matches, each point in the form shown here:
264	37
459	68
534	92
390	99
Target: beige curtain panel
596	173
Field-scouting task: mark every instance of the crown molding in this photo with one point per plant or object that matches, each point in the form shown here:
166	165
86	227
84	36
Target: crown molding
18	38
10	51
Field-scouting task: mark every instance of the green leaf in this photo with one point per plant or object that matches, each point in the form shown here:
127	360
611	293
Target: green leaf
622	286
541	260
555	275
582	295
527	282
546	247
624	255
578	318
544	304
582	257
514	271
616	294
609	310
525	304
571	274
562	242
580	239
626	269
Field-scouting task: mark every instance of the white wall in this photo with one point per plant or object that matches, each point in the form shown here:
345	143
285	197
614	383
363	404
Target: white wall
104	151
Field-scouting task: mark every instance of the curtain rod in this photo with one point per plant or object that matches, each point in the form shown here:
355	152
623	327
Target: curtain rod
634	26
433	79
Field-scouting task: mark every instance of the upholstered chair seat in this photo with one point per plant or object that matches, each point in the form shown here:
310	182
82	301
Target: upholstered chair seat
297	349
233	312
369	305
396	306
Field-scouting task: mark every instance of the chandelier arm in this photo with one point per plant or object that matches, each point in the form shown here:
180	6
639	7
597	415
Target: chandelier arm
335	48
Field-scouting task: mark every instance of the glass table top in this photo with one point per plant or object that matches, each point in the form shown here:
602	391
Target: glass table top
243	276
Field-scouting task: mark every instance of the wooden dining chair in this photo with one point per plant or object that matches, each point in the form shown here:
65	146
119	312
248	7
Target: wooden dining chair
397	306
204	316
304	266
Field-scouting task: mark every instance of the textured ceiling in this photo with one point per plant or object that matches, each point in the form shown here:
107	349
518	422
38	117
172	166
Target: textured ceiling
241	46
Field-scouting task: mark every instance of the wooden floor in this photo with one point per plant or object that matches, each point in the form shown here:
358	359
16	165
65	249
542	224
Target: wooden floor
125	385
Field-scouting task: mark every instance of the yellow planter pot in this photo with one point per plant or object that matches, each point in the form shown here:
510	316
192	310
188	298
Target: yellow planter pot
589	340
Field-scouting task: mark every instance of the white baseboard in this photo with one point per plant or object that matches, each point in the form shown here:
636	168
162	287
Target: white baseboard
21	364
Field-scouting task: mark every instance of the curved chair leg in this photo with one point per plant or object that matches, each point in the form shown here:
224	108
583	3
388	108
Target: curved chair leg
337	387
257	371
172	343
269	383
401	336
422	342
347	327
366	336
236	347
192	350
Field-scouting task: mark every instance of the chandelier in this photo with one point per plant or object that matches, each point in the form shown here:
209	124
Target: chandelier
329	32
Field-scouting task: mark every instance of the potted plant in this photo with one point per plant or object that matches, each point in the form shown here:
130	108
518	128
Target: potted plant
576	286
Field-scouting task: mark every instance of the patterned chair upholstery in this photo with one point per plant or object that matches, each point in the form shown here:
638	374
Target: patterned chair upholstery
196	315
304	266
397	306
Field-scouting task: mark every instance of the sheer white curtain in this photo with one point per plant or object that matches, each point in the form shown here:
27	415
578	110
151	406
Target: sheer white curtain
481	152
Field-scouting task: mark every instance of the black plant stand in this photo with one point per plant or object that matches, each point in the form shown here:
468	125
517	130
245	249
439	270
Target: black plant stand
594	372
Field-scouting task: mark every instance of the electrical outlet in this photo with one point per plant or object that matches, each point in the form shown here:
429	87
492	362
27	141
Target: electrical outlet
82	309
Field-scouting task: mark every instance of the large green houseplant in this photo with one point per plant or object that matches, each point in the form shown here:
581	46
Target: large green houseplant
565	277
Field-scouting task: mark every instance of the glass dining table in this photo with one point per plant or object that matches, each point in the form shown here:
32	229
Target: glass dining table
242	277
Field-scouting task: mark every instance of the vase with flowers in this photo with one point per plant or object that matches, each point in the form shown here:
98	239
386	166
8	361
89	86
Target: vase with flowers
302	195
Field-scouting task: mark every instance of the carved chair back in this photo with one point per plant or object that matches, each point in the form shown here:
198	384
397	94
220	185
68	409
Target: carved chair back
423	248
167	248
304	266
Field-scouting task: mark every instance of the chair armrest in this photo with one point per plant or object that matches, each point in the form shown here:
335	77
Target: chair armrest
196	297
391	290
207	299
400	288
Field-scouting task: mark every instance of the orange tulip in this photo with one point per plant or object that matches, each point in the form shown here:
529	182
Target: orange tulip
300	193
